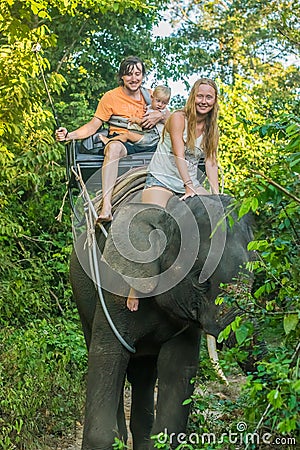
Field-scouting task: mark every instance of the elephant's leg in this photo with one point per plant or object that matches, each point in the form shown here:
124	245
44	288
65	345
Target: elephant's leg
104	390
108	361
142	375
177	365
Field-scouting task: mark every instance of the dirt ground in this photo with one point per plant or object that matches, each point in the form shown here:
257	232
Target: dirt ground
74	442
220	390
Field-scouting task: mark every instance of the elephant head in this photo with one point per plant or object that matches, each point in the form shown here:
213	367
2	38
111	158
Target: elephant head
180	255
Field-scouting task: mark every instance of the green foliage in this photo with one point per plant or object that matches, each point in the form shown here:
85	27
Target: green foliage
242	148
225	39
265	182
119	445
47	356
43	356
273	194
277	289
89	48
42	349
35	252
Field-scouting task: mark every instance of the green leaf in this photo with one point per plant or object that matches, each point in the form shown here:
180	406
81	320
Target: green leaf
275	398
296	386
230	220
245	207
219	300
254	204
236	323
259	291
241	334
224	334
290	322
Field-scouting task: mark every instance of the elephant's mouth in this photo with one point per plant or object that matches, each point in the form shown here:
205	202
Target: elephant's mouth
211	346
211	330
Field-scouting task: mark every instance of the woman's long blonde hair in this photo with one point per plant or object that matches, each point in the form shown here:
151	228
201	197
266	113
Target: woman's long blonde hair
211	131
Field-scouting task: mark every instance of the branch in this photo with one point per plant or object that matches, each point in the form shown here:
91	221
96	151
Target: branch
57	301
70	48
278	186
296	352
287	37
295	355
184	16
291	222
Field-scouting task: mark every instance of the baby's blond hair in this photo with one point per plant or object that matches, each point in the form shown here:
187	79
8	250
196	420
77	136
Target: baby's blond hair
162	92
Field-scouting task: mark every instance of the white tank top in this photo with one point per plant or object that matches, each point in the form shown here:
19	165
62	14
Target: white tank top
163	167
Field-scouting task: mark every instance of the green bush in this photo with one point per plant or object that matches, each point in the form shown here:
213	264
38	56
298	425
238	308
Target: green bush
42	381
268	402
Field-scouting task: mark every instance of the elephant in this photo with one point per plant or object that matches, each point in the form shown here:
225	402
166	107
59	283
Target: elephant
176	258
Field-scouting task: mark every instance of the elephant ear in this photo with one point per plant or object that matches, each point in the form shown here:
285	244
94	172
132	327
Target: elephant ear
134	245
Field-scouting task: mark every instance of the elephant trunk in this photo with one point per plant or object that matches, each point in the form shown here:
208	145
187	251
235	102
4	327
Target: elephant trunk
212	351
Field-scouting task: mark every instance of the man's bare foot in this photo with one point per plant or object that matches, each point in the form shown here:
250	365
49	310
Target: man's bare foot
104	216
132	303
103	138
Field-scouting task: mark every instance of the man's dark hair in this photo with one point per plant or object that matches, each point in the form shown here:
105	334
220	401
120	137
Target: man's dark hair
127	65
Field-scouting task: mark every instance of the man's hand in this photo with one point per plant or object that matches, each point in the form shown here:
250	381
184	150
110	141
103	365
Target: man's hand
61	134
150	119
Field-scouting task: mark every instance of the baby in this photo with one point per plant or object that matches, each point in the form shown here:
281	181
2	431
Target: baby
159	101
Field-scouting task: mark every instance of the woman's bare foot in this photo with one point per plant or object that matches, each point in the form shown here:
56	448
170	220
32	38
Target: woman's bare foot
132	302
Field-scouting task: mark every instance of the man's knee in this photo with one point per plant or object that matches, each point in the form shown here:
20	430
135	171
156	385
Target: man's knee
115	150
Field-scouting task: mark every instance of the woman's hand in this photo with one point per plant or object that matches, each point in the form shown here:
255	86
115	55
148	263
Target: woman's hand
211	167
189	192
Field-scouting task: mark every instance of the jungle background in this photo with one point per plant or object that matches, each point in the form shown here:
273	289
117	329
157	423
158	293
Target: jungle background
250	48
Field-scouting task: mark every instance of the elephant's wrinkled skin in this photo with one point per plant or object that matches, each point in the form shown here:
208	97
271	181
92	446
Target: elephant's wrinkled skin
166	348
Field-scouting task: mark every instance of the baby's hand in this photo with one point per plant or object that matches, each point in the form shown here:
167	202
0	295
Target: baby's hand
135	120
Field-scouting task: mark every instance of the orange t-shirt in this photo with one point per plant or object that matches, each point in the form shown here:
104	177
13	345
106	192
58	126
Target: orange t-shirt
116	102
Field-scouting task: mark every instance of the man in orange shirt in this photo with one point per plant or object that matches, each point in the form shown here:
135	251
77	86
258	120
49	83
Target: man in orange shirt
126	101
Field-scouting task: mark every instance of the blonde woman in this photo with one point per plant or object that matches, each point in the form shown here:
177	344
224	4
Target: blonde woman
189	134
